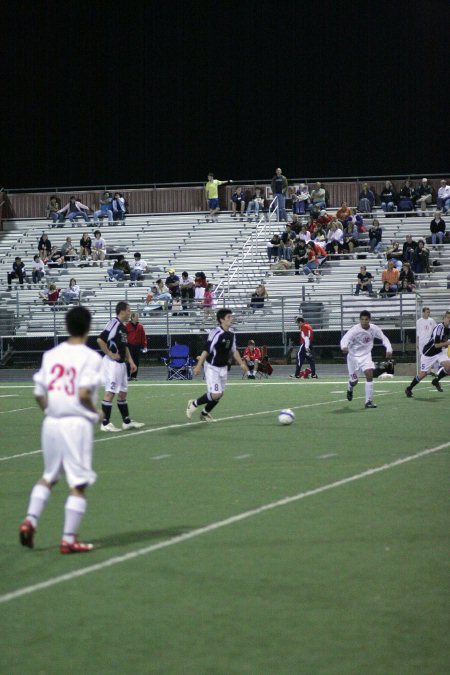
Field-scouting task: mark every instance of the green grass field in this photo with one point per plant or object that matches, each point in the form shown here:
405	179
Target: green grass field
191	575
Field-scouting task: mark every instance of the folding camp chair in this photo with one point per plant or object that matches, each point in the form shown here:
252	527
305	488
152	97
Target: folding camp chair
179	363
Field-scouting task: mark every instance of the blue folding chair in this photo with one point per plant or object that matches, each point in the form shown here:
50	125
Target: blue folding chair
179	363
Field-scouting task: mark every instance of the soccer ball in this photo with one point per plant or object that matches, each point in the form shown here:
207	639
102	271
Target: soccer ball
286	416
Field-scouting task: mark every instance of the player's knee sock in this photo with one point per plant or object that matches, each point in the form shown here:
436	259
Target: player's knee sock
39	497
369	391
123	407
210	405
351	384
414	382
441	373
203	399
74	510
106	407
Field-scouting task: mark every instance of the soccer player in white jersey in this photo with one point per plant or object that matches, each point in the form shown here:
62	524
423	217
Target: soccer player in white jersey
215	357
424	328
113	341
434	351
65	389
357	343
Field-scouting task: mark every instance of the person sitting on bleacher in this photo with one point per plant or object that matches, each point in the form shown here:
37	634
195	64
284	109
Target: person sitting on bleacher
300	255
407	197
186	289
425	194
409	246
120	207
259	296
238	203
387	291
105	210
364	282
391	276
437	229
304	234
315	254
443	197
421	259
119	269
301	200
37	270
17	272
85	246
255	204
52	210
252	357
44	246
161	292
407	280
98	247
351	235
173	283
72	293
138	269
68	250
318	198
395	253
74	209
335	238
366	199
388	197
343	213
50	295
375	237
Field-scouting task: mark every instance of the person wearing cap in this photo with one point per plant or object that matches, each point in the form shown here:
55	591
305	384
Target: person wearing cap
186	289
173	282
138	269
425	194
443	197
252	357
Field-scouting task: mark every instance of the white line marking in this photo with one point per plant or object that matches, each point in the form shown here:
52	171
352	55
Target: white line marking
31	407
213	526
160	456
338	392
22	454
9	395
242	456
331	454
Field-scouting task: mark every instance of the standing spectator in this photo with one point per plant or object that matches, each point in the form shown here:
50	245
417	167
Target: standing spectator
119	207
318	198
85	246
252	357
119	269
238	203
425	195
72	293
364	282
407	278
173	283
212	197
255	204
375	237
391	276
421	259
443	198
44	246
388	197
37	270
137	343
74	209
52	210
366	199
113	341
98	247
17	272
409	246
186	289
105	210
407	197
67	430
437	229
301	200
208	301
138	270
424	328
200	284
279	190
306	338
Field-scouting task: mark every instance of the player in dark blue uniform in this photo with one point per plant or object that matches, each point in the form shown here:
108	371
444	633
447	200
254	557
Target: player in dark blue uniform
221	346
434	350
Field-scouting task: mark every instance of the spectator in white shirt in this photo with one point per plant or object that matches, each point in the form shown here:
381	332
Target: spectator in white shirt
37	270
72	293
98	247
443	198
138	269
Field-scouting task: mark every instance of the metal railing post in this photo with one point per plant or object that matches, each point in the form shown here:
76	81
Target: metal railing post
55	337
341	302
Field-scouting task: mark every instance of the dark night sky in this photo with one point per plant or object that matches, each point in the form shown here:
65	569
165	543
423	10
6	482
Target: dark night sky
96	93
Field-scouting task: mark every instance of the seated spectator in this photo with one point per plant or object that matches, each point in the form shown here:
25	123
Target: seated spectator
238	203
186	290
119	207
44	246
98	247
286	249
138	269
335	238
67	249
387	291
74	209
72	293
119	269
314	254
421	259
208	301
273	247
252	357
425	194
407	278
161	292
407	197
408	249
351	235
295	224
366	199
52	210
17	272
255	204
388	197
318	198
304	234
300	255
375	236
105	210
404	287
85	246
395	253
173	283
50	295
37	270
200	284
443	197
301	200
364	282
343	213
391	276
288	233
259	296
324	218
320	235
437	229
55	259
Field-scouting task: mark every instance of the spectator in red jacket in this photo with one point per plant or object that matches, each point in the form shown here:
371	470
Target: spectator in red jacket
252	357
137	342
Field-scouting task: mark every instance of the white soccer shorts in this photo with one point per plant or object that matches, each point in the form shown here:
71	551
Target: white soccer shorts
363	363
427	362
67	449
115	376
216	378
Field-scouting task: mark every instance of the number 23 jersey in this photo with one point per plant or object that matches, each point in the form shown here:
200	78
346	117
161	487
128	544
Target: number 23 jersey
64	371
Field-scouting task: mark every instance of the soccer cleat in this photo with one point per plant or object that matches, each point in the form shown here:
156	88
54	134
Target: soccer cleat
26	534
191	408
75	547
349	394
370	404
206	417
132	425
436	384
297	377
109	427
408	392
314	377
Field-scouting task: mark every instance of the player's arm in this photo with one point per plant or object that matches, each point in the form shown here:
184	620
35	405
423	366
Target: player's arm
345	341
239	361
386	344
41	400
129	358
85	397
105	349
200	361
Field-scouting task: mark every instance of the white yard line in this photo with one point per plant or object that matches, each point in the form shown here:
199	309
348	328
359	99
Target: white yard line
9	395
31	407
110	562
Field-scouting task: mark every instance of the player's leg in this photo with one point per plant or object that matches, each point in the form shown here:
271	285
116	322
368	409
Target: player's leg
426	363
122	403
352	367
299	360
443	371
368	372
109	379
312	363
215	385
